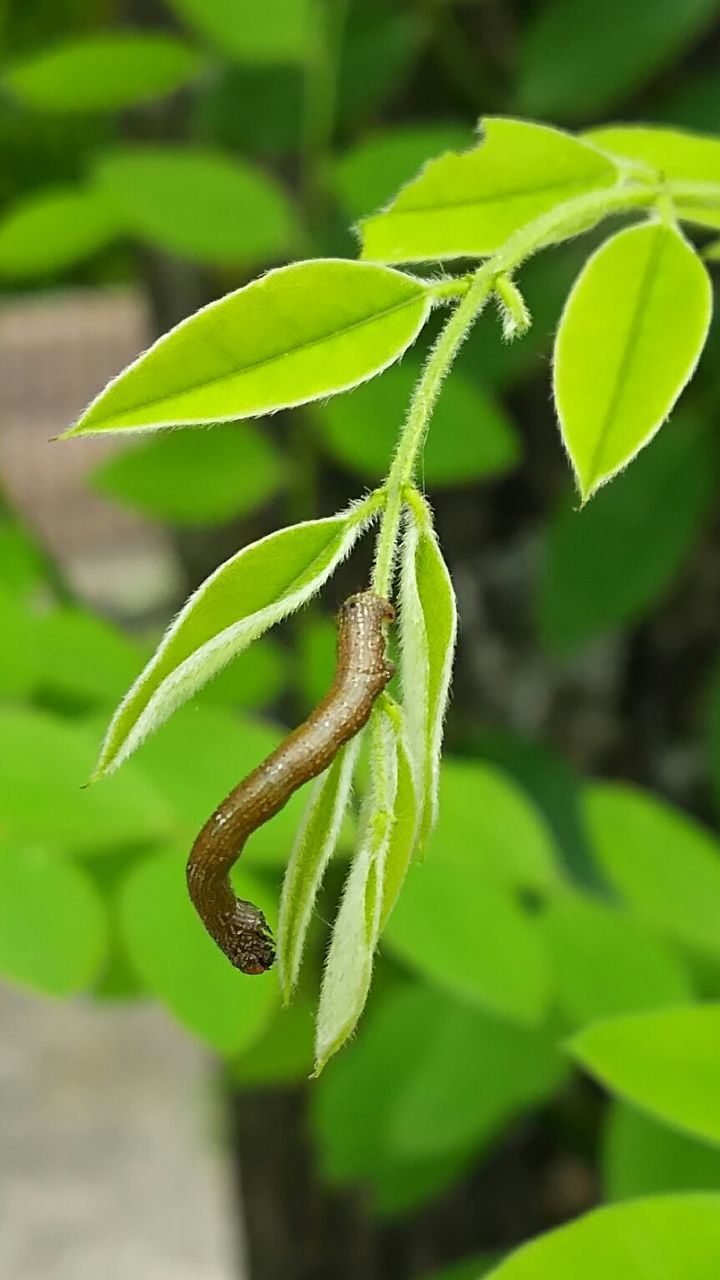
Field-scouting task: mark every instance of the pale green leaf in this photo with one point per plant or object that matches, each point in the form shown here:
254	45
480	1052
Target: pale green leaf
254	679
314	846
404	834
672	155
665	1062
53	229
661	1238
607	963
576	59
428	630
199	204
52	923
44	764
662	863
193	477
102	73
630	337
641	1157
369	174
471	437
470	938
474	1076
348	969
487	824
252	591
606	564
296	334
179	962
468	203
275	31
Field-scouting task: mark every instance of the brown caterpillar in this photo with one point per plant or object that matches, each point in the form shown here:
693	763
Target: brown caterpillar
361	673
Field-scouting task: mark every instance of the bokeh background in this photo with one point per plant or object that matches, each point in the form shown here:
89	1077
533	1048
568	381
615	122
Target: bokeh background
156	1120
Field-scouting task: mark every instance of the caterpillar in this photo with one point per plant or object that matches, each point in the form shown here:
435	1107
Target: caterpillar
361	673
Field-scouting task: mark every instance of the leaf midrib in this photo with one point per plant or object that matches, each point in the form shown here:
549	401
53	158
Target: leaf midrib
520	193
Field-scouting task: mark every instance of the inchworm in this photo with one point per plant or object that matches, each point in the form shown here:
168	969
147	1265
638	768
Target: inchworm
362	672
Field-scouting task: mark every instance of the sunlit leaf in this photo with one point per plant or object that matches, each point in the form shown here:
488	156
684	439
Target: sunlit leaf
53	229
298	333
665	1062
52	922
673	155
243	598
101	73
231	211
631	334
370	173
180	963
193	477
468	203
663	1236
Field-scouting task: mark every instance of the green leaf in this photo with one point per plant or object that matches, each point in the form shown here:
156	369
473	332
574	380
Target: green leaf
276	31
232	212
575	60
673	155
102	73
471	437
661	1238
471	939
475	1075
403	837
665	1062
23	566
52	922
298	333
180	963
194	478
315	658
606	963
663	864
20	668
468	1269
314	846
252	591
196	759
369	174
487	825
44	764
53	229
606	564
254	679
348	969
428	631
283	1055
85	658
468	203
630	337
368	82
641	1157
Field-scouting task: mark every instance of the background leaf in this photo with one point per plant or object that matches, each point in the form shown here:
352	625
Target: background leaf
642	1157
631	334
53	229
277	32
369	174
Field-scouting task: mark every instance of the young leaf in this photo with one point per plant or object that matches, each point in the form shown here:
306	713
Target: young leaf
298	333
428	628
631	334
103	73
314	846
348	969
673	155
606	963
472	437
665	1062
663	1236
470	938
52	923
232	212
194	478
368	175
403	837
643	1158
276	31
52	229
180	963
468	203
576	59
664	865
252	591
605	565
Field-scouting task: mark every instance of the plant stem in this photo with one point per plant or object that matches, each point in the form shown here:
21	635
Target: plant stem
561	222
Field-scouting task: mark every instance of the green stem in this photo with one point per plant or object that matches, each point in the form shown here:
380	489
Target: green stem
566	219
